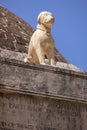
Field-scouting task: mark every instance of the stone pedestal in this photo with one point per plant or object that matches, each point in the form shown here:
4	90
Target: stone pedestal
37	97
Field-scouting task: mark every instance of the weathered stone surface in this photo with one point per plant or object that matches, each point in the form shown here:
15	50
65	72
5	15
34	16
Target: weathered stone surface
68	67
43	79
15	33
20	56
37	97
4	53
29	112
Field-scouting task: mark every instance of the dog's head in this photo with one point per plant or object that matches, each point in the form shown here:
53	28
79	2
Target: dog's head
46	18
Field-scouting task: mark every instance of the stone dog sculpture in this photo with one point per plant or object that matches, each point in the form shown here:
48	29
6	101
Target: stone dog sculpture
41	45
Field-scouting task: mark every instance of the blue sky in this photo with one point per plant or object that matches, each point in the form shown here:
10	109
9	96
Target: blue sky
70	27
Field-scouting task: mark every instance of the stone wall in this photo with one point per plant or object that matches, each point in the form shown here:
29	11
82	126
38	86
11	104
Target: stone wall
32	112
41	79
37	97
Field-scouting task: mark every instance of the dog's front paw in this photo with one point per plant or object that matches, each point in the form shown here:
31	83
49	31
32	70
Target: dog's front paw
26	60
43	63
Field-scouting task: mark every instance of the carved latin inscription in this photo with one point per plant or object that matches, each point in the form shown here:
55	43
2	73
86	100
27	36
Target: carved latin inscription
19	112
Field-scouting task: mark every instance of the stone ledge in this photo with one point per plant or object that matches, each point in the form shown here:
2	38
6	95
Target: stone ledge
43	80
20	57
9	90
48	68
